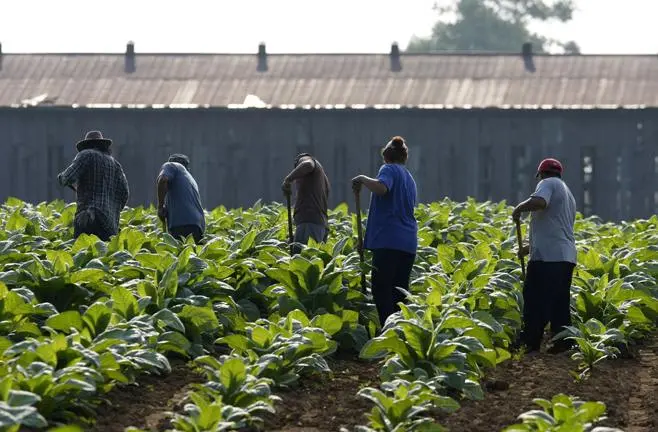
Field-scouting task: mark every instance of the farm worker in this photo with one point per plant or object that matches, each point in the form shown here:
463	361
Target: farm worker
179	203
552	250
100	185
312	197
391	228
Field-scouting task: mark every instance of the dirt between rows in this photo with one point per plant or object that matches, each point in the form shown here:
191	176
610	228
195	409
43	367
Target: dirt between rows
329	404
628	387
146	404
318	403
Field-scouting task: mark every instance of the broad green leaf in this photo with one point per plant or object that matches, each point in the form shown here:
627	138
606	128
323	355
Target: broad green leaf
260	335
21	398
202	318
65	321
97	318
247	241
591	411
67	428
174	341
237	342
62	261
170	319
328	322
87	275
169	282
233	372
383	345
124	303
284	277
16	222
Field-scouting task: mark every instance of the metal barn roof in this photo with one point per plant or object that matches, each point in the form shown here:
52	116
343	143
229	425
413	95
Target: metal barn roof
366	80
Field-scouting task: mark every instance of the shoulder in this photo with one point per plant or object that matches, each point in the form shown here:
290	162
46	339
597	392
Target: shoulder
87	154
550	182
117	164
172	167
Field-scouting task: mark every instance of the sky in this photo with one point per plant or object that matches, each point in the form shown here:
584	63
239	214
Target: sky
286	26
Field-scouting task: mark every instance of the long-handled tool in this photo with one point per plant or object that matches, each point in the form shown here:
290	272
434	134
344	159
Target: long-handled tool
359	229
290	236
519	239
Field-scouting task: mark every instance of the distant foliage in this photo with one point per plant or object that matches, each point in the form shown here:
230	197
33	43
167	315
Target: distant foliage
494	25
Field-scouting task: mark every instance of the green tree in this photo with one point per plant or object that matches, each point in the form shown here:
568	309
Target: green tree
494	25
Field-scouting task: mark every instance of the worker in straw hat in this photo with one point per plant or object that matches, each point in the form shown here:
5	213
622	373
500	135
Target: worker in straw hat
552	250
179	202
100	184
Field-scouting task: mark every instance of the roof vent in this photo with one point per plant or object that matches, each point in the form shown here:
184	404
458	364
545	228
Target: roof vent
130	65
528	61
262	58
396	64
527	49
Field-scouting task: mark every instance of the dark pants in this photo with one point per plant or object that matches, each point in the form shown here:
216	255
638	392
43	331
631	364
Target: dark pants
392	268
305	231
181	232
546	298
87	222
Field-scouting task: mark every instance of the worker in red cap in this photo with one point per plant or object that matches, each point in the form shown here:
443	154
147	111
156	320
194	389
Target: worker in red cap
552	250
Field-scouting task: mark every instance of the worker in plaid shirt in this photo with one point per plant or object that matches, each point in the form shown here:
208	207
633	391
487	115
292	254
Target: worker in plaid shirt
101	187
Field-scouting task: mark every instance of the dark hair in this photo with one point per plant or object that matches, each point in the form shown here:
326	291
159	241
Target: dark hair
396	151
180	158
300	156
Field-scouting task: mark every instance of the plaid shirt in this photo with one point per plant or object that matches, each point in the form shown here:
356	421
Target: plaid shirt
100	184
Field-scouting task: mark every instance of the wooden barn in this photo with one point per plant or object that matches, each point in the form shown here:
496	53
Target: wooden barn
477	124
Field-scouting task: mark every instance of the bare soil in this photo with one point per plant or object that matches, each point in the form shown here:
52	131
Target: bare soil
145	405
329	404
628	387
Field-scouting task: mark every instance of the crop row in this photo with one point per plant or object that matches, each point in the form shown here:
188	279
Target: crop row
79	316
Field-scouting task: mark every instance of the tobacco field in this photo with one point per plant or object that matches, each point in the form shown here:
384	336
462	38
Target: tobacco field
234	334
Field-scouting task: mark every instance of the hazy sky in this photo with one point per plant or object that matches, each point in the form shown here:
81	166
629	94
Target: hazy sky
600	26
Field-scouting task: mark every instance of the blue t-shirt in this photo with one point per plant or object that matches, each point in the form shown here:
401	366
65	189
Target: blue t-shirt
183	202
391	222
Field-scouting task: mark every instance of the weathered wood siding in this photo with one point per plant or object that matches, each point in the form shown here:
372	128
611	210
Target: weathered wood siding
240	156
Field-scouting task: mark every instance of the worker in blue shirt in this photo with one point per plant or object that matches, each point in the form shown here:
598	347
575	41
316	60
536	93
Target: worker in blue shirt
179	203
391	228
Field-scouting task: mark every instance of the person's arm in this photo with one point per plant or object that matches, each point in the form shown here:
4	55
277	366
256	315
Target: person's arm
304	168
539	200
162	187
374	185
530	205
126	189
379	186
71	175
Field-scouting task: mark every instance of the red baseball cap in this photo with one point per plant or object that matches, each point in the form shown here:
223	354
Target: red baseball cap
550	165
